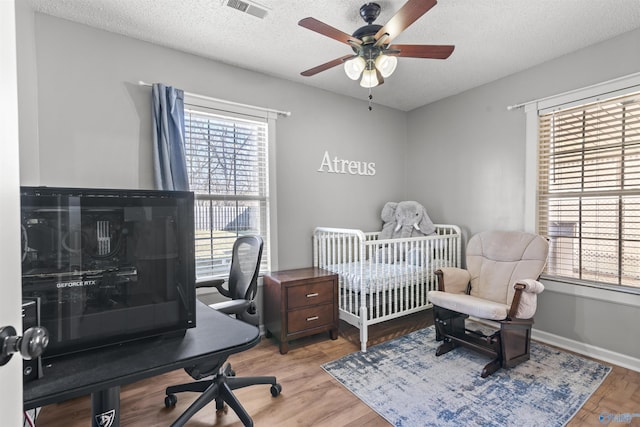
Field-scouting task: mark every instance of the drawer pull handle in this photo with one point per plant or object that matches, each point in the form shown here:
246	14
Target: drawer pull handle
309	319
315	294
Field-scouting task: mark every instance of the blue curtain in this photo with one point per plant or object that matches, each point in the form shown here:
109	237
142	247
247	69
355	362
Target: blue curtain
170	166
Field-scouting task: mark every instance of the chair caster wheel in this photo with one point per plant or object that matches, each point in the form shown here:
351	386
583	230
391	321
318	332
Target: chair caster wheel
170	401
275	390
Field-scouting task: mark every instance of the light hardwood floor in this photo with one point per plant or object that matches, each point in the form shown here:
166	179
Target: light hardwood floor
310	397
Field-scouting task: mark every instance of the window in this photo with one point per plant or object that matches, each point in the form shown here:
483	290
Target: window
589	190
227	162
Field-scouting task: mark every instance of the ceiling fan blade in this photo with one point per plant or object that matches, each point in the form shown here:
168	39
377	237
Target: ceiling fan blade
315	70
407	15
422	50
328	31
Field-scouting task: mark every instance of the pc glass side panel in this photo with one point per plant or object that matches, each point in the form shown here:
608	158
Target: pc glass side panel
108	266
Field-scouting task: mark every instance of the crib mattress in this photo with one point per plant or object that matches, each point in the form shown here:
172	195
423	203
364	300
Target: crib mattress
380	277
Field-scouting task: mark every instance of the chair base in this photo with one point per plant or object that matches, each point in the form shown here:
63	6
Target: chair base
218	389
507	346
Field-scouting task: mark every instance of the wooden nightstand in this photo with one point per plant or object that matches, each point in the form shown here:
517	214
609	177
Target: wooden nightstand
300	302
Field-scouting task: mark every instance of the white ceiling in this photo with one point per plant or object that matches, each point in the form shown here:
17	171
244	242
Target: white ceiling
493	38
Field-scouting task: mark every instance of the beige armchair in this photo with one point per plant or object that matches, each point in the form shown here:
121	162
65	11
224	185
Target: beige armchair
500	285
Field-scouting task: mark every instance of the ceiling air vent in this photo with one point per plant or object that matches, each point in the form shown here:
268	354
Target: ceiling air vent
249	7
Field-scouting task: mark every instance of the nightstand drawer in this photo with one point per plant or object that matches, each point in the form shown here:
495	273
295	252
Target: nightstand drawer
309	318
311	294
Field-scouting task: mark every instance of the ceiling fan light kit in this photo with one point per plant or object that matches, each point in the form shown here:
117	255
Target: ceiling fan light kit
386	64
370	78
375	57
354	67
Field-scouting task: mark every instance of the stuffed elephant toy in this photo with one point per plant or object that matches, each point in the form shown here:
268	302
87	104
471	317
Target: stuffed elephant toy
402	220
405	219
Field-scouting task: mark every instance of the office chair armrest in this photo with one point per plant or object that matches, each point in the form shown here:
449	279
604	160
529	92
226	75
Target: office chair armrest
215	283
234	306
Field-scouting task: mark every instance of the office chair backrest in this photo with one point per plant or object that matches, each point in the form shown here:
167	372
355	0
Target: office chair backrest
245	266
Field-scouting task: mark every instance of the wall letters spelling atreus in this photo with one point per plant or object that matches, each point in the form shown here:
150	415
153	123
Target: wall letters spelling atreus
346	166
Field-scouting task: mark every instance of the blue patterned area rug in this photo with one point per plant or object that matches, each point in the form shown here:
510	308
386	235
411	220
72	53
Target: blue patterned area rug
408	385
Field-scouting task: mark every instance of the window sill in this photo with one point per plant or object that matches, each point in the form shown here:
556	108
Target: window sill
623	295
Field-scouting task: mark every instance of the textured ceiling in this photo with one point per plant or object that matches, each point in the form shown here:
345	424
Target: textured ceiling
493	38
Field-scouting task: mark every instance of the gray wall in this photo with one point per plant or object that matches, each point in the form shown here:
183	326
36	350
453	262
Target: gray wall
463	157
94	128
466	157
466	153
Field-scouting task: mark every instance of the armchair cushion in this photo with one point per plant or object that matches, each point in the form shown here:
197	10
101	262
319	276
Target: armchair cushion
531	286
503	257
455	279
496	262
468	304
528	299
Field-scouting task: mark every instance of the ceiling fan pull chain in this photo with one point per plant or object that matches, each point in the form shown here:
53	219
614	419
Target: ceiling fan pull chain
370	98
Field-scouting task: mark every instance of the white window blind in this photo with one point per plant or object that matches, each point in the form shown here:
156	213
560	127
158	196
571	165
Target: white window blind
227	162
589	190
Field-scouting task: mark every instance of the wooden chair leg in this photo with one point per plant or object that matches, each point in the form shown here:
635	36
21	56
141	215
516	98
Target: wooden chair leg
448	322
445	347
491	367
515	342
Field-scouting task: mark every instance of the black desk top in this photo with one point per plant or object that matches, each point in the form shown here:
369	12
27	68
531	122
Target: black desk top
79	374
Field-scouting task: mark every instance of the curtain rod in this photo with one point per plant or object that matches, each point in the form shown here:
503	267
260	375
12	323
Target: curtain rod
569	92
223	101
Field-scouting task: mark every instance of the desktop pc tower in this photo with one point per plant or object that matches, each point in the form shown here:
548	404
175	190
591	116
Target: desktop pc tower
106	266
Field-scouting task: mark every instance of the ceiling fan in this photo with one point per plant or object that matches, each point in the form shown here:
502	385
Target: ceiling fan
375	58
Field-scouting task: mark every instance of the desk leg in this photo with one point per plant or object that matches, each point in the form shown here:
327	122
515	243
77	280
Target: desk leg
105	408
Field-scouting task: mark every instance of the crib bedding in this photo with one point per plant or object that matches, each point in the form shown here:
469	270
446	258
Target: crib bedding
381	276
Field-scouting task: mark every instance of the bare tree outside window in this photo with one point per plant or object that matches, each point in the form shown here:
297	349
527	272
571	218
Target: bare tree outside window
227	167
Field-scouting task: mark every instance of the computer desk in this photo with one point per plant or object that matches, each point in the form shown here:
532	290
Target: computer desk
102	371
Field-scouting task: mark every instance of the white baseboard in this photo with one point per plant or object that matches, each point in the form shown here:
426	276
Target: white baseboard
587	350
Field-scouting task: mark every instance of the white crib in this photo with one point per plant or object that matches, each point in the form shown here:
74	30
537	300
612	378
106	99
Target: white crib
381	280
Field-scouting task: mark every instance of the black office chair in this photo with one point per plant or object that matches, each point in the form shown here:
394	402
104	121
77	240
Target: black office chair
242	287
